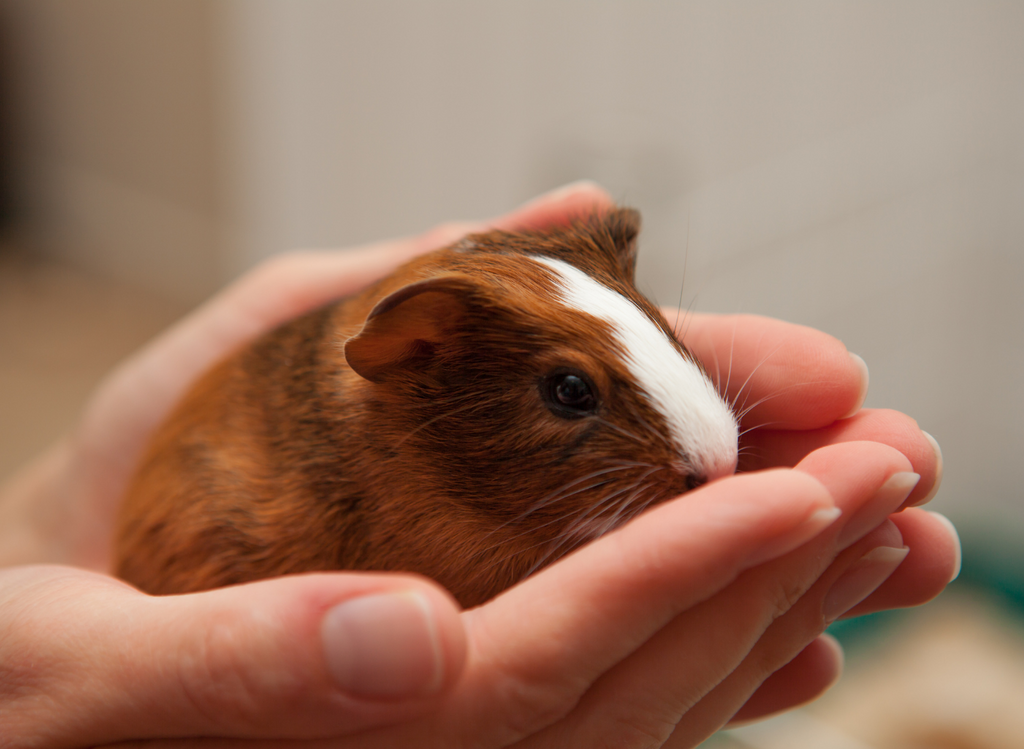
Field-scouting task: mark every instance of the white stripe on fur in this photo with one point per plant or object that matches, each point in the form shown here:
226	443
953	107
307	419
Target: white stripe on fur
701	424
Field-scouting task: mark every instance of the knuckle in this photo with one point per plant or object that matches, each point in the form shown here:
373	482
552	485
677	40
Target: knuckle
640	727
227	677
529	706
528	697
784	595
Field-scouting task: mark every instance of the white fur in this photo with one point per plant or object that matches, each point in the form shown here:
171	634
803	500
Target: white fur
701	425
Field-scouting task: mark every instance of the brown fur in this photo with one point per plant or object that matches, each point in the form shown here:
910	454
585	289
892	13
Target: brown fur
437	457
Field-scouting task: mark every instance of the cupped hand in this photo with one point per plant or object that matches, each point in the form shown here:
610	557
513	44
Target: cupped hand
86	659
656	634
61	509
799	390
707	607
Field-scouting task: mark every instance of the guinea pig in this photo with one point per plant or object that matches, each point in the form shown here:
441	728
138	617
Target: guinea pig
478	414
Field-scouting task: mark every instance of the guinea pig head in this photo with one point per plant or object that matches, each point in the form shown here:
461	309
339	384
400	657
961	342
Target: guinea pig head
523	398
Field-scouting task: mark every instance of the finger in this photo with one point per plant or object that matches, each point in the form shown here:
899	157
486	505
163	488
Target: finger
538	646
647	693
560	206
90	660
769	448
854	574
816	668
932	564
660	565
775	373
293	283
805	678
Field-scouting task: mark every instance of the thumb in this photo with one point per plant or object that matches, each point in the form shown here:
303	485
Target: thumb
86	659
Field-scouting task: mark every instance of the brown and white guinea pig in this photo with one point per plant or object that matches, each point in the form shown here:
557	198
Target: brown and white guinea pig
481	412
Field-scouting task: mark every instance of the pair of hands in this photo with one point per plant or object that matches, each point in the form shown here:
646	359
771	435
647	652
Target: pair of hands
706	609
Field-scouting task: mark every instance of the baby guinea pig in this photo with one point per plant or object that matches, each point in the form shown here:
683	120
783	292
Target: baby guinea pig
473	417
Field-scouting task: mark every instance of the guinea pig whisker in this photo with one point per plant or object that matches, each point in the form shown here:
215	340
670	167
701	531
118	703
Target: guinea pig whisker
554	496
522	516
620	430
747	409
625	510
628	509
452	412
688	316
570	535
752	373
517	552
718	372
748	430
643	423
609	500
560	494
752	452
561	517
600	507
740	415
447	400
682	285
732	346
655	433
631	463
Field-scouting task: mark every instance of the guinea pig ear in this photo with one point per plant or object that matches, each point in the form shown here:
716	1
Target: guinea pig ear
623	226
407	324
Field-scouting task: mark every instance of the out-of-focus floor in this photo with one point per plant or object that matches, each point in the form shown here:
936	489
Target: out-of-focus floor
947	676
61	330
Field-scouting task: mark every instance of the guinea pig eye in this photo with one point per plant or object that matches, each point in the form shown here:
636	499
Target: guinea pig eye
569	394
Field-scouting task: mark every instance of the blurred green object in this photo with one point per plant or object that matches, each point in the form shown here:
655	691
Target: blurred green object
993	565
860	633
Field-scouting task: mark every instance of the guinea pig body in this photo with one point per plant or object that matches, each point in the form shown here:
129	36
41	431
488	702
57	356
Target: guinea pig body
478	414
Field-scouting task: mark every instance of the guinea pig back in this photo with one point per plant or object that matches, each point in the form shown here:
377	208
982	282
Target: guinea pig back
476	415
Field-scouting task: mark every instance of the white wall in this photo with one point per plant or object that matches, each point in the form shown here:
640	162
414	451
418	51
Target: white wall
119	137
854	166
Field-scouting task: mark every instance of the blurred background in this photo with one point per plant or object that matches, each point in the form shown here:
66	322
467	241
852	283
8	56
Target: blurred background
854	166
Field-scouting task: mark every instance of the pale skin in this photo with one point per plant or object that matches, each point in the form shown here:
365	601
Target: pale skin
706	609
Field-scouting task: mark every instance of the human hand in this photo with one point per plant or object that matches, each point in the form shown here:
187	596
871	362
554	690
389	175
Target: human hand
709	608
656	633
135	662
799	390
494	695
61	509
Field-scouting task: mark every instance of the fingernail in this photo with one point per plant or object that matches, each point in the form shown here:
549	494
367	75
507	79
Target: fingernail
383	646
862	579
886	501
938	472
864	378
812	525
958	561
